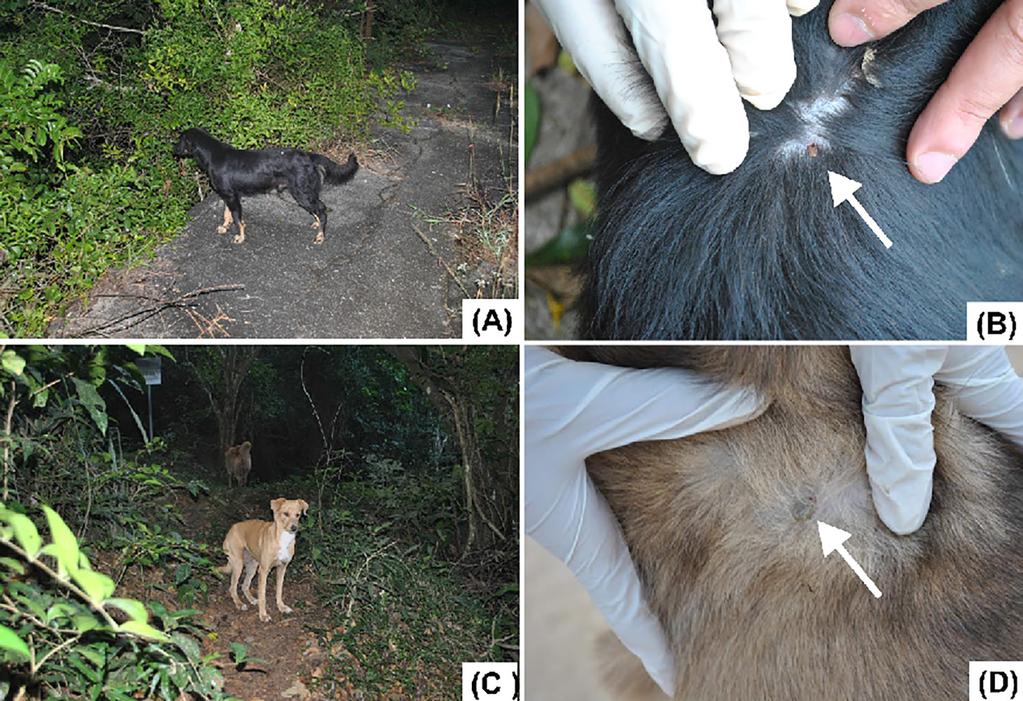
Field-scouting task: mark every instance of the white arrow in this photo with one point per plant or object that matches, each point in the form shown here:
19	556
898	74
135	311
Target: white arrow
842	189
831	540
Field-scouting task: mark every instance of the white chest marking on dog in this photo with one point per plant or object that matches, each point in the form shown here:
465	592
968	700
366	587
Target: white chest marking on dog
284	546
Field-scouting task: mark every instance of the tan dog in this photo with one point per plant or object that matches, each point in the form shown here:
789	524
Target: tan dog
263	545
238	462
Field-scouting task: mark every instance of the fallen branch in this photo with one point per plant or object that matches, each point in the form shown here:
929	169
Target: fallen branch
440	259
111	27
184	301
543	179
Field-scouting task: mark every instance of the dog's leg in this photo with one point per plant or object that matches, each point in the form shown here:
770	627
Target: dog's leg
236	573
251	566
223	228
281	606
264	571
318	225
307	196
235	204
321	223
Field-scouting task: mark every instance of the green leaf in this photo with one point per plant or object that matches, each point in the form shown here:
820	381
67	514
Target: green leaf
97	586
10	641
531	116
65	545
583	196
84	622
11	563
181	575
569	246
60	610
238	652
160	350
188	646
139	348
94	403
95	654
25	532
88	672
135	609
12	362
144	630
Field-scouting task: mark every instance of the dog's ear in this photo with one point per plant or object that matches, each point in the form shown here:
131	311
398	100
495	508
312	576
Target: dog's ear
304	505
276	504
247	445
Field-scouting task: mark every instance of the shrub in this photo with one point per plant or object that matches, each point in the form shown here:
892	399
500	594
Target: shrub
87	118
63	633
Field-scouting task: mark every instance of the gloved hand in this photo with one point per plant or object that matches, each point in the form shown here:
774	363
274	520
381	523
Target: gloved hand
700	72
898	397
576	409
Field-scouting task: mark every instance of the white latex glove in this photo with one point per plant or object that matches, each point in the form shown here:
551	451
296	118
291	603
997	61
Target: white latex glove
700	71
576	409
898	397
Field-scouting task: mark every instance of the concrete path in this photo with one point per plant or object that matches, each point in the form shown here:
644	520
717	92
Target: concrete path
374	277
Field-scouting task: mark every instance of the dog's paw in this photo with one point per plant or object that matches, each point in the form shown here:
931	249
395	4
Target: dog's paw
264	617
319	239
222	229
242	607
238	238
285	609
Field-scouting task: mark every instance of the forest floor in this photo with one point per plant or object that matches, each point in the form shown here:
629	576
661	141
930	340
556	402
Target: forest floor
287	659
393	264
408	639
290	658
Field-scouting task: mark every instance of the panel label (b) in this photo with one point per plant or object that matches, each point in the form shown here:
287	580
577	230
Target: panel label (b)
993	322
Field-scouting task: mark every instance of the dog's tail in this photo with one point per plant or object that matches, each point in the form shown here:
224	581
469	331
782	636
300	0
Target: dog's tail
333	173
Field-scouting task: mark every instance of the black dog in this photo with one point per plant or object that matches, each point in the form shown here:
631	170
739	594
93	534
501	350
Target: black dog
763	254
235	172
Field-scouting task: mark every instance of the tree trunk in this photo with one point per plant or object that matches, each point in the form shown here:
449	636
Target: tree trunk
485	516
224	391
367	19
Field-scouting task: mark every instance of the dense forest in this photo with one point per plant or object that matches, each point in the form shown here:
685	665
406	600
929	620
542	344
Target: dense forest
111	531
93	93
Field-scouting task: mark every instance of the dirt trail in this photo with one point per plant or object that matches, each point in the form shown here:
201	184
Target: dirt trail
289	654
374	277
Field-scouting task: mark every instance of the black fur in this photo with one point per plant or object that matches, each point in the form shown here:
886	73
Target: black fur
235	172
762	253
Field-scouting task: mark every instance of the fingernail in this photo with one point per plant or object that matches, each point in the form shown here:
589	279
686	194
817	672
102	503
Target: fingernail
933	166
850	30
1013	127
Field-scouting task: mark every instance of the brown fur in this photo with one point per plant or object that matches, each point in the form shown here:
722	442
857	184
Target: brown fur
256	546
238	463
722	527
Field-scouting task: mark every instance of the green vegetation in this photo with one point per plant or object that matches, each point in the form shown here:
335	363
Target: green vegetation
407	562
93	92
63	631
